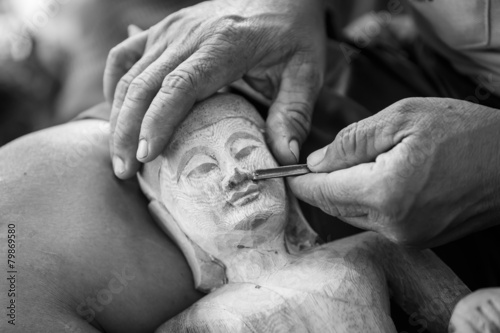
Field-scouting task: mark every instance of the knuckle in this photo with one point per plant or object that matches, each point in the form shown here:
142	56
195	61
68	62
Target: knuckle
347	140
299	115
403	114
229	25
408	105
123	85
420	154
139	89
180	81
165	67
228	30
201	71
195	29
311	72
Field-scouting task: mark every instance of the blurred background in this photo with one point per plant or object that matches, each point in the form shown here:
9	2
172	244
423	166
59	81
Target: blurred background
53	53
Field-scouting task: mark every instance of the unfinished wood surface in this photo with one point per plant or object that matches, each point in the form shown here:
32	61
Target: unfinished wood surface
249	246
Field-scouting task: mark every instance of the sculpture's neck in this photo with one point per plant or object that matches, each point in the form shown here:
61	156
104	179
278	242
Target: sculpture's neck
249	263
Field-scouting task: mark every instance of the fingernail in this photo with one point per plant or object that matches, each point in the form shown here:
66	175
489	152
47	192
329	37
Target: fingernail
316	157
294	149
142	152
118	165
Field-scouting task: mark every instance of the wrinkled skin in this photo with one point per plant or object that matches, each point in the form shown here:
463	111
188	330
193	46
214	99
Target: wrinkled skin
153	79
422	172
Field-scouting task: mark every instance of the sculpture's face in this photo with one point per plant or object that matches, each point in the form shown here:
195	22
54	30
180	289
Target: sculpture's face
206	181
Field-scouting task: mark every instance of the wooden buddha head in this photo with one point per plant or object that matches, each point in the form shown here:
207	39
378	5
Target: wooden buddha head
202	194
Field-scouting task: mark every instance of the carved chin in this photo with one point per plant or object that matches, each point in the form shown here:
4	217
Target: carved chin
253	221
251	211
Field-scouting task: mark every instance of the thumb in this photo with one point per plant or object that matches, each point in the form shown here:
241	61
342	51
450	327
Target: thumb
358	143
289	119
341	193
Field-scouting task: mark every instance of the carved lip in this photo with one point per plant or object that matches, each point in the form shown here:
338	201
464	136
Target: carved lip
246	196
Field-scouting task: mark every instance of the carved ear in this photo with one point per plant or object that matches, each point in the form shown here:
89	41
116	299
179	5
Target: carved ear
298	233
208	272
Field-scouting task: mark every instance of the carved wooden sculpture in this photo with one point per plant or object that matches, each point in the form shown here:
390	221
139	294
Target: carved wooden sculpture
250	248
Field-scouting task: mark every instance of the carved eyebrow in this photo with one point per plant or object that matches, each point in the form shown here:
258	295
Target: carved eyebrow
189	155
241	135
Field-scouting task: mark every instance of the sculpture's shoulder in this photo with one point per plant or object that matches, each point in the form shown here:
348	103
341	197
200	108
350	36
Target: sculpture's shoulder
336	287
287	301
241	307
217	312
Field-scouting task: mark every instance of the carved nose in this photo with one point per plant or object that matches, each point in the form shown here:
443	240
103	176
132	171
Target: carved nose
237	178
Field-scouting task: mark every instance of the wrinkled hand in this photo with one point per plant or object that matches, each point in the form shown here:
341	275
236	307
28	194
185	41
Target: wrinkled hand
154	78
421	172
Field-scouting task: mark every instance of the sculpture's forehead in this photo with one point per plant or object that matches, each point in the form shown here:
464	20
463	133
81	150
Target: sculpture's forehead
212	132
205	115
217	108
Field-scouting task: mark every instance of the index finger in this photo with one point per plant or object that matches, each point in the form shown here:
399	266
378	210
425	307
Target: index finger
195	79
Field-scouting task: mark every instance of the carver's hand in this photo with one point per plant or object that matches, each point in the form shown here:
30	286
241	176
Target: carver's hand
153	78
422	172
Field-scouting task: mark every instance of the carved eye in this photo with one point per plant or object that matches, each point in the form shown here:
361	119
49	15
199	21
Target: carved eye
200	166
202	170
245	152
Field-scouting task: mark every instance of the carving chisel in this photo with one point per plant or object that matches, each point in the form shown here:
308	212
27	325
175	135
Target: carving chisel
284	171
